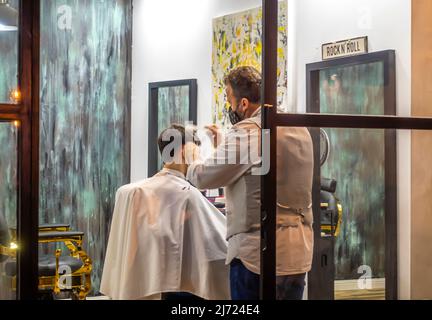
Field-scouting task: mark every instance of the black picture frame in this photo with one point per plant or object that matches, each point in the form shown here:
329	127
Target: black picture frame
321	277
154	88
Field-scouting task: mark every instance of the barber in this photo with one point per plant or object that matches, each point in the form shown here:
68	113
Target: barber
232	167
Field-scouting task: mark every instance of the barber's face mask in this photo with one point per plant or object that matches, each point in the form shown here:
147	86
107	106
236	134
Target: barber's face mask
234	116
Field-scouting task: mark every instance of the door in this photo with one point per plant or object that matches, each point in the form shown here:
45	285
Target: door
18	148
355	180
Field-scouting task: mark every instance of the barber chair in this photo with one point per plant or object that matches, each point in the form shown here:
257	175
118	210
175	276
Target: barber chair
331	209
58	274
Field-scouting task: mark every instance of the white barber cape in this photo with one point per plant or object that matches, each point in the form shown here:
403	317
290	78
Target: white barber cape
165	237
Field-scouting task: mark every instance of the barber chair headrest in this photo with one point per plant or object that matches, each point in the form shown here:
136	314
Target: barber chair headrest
328	185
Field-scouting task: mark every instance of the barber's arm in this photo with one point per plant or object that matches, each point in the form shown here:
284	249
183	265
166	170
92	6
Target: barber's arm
227	164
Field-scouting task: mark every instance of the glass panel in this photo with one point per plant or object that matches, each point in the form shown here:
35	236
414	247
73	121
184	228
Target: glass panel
332	59
8	209
9	93
172	43
357	163
354	197
294	230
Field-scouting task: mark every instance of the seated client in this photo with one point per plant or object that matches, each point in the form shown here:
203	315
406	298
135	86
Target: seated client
166	237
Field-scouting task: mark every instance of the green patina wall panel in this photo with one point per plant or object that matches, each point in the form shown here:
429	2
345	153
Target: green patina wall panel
85	115
357	162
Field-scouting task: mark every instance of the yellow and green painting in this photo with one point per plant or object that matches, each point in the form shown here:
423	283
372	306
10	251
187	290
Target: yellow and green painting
237	41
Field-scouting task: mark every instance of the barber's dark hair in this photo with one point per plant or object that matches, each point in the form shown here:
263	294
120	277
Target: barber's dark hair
246	83
187	135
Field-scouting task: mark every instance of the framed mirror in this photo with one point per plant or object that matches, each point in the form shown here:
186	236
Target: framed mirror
363	164
169	102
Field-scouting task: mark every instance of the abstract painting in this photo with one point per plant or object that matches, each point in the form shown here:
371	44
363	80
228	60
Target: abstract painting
170	102
85	116
237	41
358	162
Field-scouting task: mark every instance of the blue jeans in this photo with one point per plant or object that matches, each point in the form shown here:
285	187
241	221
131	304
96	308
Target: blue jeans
245	285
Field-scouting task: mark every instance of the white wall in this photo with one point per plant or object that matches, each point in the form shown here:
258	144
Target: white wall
387	23
172	40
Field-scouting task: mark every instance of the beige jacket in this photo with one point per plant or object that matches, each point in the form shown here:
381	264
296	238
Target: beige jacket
242	187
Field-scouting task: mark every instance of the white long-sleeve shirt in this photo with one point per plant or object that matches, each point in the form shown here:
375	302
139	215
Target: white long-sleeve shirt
294	234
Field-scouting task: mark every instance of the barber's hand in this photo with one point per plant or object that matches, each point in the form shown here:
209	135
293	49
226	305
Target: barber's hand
215	133
191	153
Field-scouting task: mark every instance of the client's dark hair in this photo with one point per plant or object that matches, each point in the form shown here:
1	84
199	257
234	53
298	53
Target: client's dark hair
186	135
